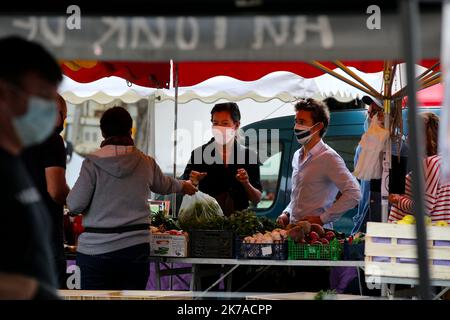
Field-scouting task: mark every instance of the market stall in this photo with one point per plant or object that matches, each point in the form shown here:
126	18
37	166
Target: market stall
332	40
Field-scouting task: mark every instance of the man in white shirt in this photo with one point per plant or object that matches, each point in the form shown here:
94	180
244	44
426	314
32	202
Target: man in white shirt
323	189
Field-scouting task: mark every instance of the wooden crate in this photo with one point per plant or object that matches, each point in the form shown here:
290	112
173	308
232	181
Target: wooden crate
391	251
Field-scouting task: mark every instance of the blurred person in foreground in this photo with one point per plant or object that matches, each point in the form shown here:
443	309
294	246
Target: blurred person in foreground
29	77
46	164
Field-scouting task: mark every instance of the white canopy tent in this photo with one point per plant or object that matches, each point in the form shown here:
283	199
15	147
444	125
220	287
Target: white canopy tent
281	85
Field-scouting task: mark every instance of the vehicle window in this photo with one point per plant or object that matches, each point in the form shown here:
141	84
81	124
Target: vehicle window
345	146
270	175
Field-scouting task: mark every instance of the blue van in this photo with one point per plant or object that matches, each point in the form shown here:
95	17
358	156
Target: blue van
343	135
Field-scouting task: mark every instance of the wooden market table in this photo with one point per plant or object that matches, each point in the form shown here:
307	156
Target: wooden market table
124	295
302	296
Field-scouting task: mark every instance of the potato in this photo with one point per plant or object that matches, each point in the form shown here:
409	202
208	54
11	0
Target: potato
305	225
297	234
290	226
318	228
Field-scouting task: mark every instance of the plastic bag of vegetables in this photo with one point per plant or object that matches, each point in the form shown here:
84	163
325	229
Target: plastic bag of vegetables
198	210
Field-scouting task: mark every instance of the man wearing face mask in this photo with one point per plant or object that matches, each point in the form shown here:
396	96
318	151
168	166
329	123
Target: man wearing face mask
223	168
29	77
227	171
47	165
319	173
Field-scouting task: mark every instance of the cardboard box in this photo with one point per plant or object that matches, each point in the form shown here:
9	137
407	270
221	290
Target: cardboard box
166	245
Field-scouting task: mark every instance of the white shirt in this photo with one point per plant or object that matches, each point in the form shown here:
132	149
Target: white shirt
316	181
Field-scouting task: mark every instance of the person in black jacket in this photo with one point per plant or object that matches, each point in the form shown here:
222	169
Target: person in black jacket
29	77
223	168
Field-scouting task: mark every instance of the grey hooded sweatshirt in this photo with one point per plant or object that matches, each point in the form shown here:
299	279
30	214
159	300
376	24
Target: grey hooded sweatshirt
112	191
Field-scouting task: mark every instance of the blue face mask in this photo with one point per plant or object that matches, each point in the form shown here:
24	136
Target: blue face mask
37	123
366	124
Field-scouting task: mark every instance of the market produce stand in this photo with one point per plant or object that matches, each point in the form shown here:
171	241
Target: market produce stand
229	265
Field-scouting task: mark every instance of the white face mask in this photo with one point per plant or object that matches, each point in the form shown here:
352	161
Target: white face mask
303	133
223	135
38	123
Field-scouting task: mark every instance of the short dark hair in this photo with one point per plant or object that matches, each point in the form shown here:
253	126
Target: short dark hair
319	111
230	107
116	122
19	57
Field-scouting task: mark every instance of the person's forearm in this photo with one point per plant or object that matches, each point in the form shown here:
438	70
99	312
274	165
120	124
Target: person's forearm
348	200
252	193
59	196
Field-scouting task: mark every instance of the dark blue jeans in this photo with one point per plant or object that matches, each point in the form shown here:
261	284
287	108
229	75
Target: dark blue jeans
125	269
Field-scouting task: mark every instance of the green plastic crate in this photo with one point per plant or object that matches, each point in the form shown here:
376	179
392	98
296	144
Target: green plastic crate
332	251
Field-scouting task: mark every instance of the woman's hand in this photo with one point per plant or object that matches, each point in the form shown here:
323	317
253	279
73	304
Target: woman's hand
196	176
242	176
189	188
394	198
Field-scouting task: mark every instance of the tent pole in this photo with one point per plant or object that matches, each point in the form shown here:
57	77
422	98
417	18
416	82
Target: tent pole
388	75
175	128
410	37
320	66
437	78
430	69
354	75
432	74
151	132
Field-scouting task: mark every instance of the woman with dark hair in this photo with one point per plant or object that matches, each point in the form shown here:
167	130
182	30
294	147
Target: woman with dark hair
223	168
111	193
437	193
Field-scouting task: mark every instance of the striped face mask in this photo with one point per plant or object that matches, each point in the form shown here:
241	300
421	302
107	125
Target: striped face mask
303	133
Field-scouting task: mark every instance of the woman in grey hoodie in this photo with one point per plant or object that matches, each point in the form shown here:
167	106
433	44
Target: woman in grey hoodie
111	193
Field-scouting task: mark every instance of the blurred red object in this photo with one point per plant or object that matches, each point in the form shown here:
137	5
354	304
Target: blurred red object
77	225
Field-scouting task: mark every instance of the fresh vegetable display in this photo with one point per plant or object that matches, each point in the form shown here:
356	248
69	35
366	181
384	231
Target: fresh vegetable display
325	295
173	232
276	236
199	211
162	222
245	223
357	238
410	219
304	232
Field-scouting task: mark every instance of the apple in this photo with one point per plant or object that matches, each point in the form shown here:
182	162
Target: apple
324	241
329	235
314	236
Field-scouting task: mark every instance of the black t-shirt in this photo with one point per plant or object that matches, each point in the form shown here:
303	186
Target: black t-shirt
51	153
24	237
220	180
